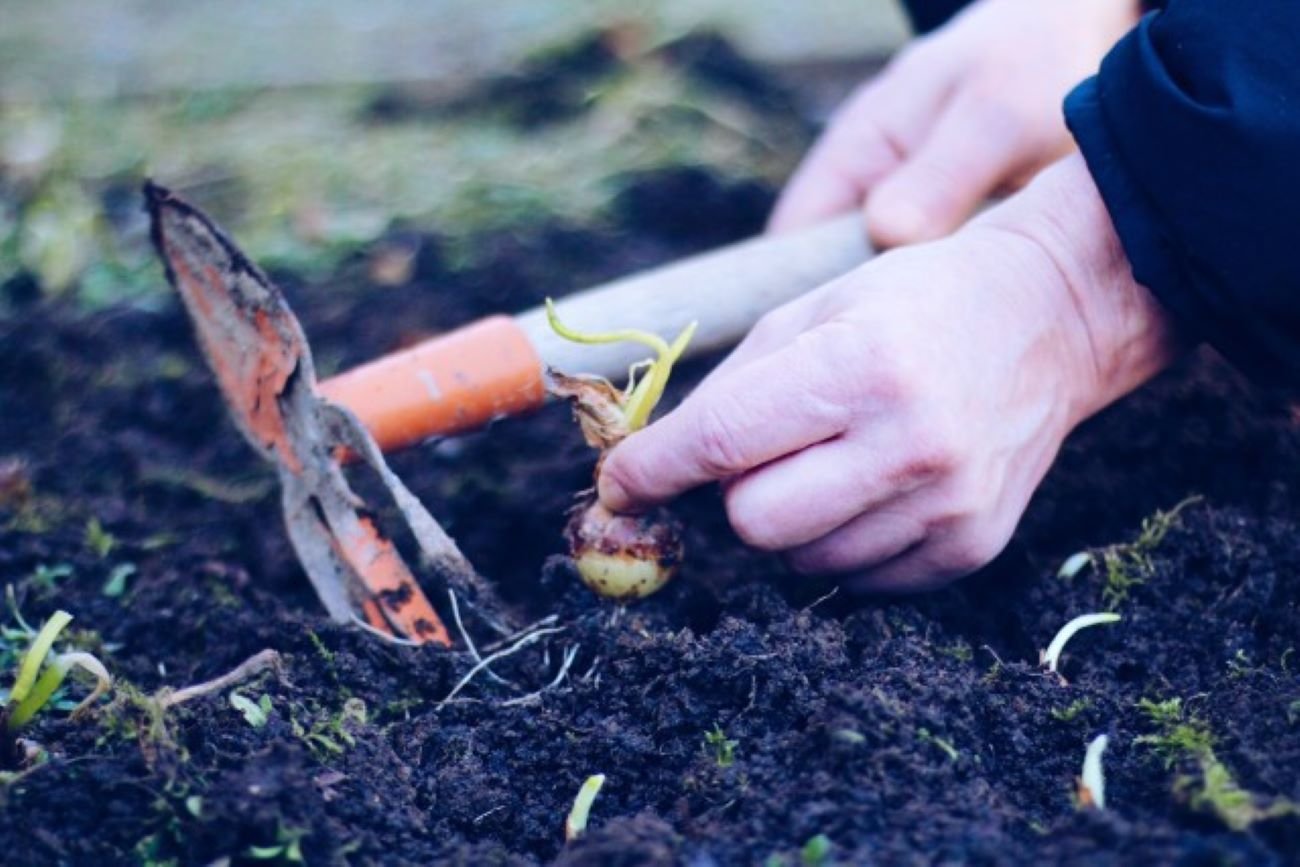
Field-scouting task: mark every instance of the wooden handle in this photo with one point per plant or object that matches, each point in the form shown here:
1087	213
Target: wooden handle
463	379
726	291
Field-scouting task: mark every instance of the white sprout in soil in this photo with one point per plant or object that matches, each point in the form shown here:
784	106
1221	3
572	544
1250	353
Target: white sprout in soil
1074	564
1052	655
1092	782
576	823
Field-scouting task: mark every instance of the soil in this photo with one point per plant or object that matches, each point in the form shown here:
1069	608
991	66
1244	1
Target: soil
915	730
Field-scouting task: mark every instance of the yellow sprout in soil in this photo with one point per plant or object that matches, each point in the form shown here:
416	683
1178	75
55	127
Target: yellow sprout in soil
576	823
639	398
30	692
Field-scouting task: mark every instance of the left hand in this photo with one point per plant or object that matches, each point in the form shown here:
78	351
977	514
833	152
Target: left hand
892	425
959	114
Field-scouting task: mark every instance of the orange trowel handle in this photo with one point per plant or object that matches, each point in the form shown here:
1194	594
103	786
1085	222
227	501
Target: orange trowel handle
448	384
466	378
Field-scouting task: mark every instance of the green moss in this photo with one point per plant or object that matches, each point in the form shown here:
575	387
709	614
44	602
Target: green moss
958	650
1179	735
1071	712
1211	788
722	748
1129	564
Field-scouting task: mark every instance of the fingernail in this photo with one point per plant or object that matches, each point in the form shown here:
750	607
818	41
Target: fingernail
892	224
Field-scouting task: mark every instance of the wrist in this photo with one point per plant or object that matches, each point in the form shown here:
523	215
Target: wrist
1118	334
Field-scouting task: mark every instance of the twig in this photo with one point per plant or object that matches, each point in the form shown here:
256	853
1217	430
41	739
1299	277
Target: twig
254	665
386	637
565	665
820	599
481	816
527	639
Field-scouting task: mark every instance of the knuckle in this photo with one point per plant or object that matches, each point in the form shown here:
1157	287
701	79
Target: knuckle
931	455
721	449
972	550
624	471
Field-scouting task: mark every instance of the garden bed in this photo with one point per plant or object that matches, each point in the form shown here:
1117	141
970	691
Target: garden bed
742	716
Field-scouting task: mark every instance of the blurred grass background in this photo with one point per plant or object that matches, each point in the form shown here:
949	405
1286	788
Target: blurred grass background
312	128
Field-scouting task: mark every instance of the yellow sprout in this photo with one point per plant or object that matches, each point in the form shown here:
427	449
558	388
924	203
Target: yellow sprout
642	394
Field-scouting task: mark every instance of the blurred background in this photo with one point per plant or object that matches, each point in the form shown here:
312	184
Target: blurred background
315	129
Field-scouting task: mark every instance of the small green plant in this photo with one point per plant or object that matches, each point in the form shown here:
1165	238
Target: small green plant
332	735
722	748
47	577
1070	712
949	750
100	542
115	585
1129	564
630	409
958	650
575	825
1217	792
256	713
1239	666
1180	735
42	671
816	852
1052	655
286	848
1213	789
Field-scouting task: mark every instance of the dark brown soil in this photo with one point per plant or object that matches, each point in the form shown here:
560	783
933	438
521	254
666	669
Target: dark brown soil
905	731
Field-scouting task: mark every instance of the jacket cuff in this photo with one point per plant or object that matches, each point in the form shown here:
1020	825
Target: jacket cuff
1150	254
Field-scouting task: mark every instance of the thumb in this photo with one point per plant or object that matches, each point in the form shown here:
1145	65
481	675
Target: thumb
967	155
773	406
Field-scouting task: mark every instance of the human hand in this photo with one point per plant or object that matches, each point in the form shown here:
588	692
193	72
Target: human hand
892	425
970	109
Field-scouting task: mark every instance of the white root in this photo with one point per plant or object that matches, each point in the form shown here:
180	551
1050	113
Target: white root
1092	782
1051	657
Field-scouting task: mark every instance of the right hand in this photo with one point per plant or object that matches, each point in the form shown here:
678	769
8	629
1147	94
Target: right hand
960	114
891	426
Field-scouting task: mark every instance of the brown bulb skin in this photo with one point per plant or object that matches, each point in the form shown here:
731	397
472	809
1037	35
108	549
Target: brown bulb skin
624	557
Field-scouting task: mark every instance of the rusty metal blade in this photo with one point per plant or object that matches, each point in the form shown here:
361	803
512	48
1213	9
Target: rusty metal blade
262	362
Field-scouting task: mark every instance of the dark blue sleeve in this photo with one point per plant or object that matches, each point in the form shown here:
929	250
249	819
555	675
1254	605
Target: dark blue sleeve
926	15
1191	130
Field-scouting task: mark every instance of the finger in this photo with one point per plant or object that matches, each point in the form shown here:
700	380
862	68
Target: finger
915	570
775	405
871	539
824	489
969	152
866	140
946	555
775	330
